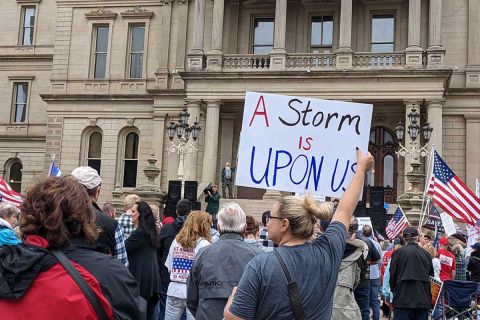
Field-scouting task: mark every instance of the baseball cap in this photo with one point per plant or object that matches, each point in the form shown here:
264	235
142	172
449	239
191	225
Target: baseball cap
410	232
476	246
444	241
87	176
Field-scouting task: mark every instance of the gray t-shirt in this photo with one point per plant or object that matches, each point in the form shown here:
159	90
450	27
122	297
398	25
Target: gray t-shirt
262	292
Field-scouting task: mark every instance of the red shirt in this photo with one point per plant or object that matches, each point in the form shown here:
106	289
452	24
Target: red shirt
447	263
386	257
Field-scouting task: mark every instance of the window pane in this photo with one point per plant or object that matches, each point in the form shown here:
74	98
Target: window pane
372	137
95	164
27	39
95	145
20	111
131	146
22	89
16	176
130	174
370	178
387	137
382	28
316	37
138	34
29	17
384	47
327	31
136	65
262	49
100	65
388	162
102	39
263	32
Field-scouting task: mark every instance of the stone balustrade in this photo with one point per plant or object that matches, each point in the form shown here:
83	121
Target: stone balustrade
311	61
375	60
245	62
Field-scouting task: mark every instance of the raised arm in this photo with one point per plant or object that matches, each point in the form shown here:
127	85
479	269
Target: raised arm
350	198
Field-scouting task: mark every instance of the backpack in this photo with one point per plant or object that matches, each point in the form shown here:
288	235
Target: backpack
364	268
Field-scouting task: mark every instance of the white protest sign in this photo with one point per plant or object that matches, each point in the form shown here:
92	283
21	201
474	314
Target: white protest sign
364	221
473	237
300	144
448	224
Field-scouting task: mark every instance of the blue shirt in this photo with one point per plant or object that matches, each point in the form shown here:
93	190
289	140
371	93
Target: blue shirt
375	268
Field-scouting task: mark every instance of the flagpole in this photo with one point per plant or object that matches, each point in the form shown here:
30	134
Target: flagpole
427	183
403	212
51	166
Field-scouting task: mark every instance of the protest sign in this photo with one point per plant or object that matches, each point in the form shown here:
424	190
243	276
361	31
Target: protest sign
434	222
436	289
300	144
473	237
364	221
448	224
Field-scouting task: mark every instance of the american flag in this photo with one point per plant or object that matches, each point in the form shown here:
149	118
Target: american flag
397	224
8	195
182	265
452	194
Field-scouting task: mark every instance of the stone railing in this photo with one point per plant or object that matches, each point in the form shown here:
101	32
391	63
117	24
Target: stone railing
374	60
245	62
311	61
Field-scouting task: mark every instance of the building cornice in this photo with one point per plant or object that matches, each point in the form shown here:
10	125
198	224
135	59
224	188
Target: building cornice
95	97
137	13
101	13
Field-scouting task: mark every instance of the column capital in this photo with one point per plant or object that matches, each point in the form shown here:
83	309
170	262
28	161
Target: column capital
192	102
435	103
159	115
411	103
213	103
472	117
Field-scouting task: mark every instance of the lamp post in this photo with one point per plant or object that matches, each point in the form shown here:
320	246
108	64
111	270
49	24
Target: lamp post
413	197
183	131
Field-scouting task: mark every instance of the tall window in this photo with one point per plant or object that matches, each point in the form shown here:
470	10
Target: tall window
135	52
383	33
20	93
321	34
130	161
15	176
27	25
100	51
94	155
262	35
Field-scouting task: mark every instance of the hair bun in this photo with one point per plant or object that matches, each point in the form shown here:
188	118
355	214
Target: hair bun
322	211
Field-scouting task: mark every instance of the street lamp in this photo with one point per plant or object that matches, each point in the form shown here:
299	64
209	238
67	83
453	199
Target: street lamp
413	197
183	131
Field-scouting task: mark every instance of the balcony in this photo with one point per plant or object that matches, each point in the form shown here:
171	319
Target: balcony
316	62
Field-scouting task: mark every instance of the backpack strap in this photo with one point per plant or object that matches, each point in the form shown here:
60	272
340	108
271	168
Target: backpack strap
81	283
293	292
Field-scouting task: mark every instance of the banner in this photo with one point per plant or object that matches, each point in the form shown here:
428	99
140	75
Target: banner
436	289
364	221
433	219
448	224
300	144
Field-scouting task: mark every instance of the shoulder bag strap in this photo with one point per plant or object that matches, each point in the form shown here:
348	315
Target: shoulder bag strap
82	284
293	292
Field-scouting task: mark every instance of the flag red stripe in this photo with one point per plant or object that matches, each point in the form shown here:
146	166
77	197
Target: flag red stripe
451	197
469	207
451	207
464	190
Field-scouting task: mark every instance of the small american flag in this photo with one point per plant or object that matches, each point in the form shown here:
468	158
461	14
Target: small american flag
182	265
398	223
452	194
8	195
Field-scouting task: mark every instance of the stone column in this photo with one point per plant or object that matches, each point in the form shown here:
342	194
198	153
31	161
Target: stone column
195	57
214	56
158	138
434	114
473	150
181	44
435	51
344	52
278	55
414	51
162	74
226	141
191	159
210	155
473	59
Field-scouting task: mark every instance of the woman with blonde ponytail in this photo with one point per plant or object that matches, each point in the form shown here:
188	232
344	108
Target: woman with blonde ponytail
312	265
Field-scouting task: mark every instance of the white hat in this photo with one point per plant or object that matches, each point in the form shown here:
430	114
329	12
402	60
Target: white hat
87	176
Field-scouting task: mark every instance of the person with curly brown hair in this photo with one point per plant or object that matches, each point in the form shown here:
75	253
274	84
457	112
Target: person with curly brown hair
57	219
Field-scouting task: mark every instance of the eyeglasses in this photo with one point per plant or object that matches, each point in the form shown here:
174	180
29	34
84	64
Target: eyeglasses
272	217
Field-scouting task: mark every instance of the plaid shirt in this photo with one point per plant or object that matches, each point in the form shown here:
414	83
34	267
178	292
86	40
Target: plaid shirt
264	238
461	271
125	222
120	250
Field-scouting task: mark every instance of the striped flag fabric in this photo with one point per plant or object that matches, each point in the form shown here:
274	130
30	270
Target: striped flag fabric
8	195
397	224
451	194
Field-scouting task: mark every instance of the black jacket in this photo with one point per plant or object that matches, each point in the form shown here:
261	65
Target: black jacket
142	258
108	226
166	236
20	266
474	266
410	271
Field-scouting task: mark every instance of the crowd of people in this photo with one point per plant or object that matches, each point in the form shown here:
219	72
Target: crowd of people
306	261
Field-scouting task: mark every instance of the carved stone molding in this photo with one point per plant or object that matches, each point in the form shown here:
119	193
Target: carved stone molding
138	12
130	122
183	2
101	13
92	122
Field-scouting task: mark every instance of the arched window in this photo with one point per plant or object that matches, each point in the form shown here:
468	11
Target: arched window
94	150
14	175
130	160
388	169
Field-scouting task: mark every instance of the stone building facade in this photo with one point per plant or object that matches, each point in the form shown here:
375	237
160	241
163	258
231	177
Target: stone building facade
97	82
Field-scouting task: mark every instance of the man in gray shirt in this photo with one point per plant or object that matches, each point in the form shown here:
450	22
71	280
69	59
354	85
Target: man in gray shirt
218	267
